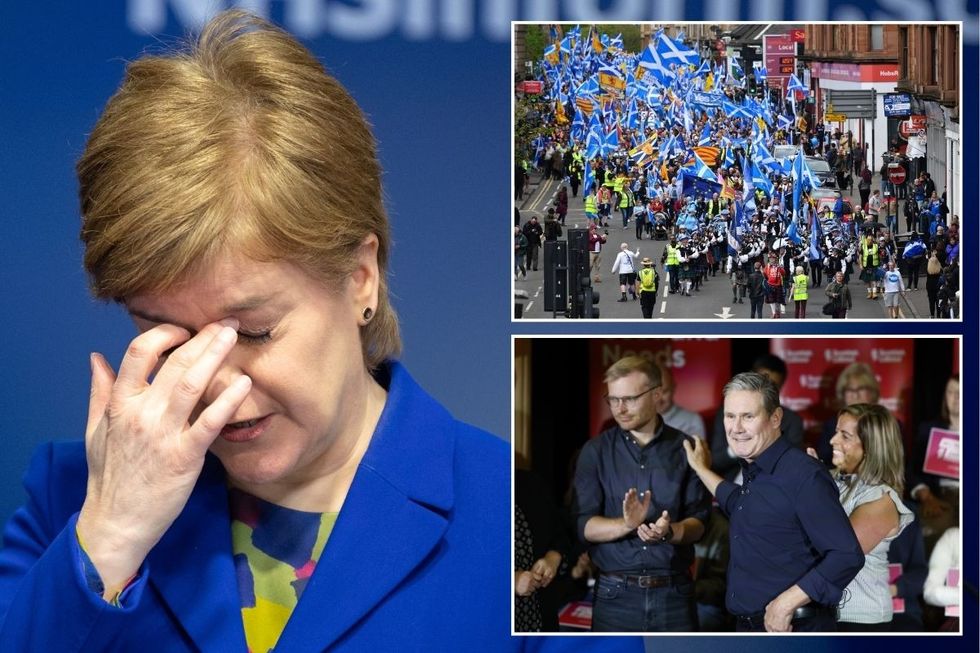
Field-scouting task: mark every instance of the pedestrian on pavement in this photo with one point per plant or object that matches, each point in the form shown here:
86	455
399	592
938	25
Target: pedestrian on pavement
533	230
649	281
561	204
625	267
552	228
864	185
874	205
757	290
913	254
934	270
596	240
800	292
840	296
894	289
520	253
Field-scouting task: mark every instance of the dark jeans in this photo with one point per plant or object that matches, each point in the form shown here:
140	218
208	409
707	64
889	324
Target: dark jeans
756	304
626	608
532	257
647	302
673	271
800	309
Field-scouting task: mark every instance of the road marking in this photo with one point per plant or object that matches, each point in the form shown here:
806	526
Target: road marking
528	306
663	306
537	292
726	312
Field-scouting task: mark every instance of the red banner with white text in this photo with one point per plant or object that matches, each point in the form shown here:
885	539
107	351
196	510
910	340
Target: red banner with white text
814	364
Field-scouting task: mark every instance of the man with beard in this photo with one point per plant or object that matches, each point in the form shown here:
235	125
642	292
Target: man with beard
640	509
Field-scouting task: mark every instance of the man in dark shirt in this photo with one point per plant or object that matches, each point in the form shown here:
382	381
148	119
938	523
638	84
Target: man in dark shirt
640	509
793	550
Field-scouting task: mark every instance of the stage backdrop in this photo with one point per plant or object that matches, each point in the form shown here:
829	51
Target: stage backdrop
701	367
813	366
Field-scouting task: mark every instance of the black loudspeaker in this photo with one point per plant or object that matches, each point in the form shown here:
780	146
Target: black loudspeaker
555	276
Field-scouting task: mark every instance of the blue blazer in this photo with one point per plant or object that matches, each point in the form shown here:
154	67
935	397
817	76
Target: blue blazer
419	559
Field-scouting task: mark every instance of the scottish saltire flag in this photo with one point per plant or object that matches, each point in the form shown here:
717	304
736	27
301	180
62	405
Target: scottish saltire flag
567	44
760	179
668	148
733	244
796	85
702	170
761	74
815	236
651	61
809	179
739	219
797	180
675	52
913	249
729	159
705	138
793	233
593	142
765	158
611	142
737	70
578	130
616	43
784	122
588	176
735	111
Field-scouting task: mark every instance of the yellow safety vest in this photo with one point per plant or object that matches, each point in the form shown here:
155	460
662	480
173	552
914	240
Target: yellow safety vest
799	287
673	256
874	253
590	203
624	198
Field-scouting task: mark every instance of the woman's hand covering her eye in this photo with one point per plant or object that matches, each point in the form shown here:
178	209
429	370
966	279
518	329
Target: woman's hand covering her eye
144	453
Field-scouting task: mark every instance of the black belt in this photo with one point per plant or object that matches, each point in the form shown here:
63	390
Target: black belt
805	612
648	582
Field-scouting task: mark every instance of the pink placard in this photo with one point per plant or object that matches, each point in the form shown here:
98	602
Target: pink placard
898	605
894	571
943	454
953	577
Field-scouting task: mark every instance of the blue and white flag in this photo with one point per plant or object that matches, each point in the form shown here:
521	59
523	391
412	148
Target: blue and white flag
654	64
796	85
676	52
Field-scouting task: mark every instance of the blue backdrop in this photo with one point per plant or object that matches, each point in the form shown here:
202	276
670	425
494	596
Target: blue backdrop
434	78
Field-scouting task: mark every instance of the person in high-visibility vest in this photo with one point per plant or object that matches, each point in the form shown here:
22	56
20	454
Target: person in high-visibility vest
800	292
591	211
648	282
625	204
672	261
869	265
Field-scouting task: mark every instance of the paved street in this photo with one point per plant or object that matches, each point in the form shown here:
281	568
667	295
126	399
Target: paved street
713	302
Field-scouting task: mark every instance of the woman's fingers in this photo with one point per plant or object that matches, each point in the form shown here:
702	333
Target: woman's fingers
102	379
213	418
181	393
142	356
183	357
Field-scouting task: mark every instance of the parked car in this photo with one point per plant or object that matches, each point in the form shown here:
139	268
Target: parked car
783	152
821	170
